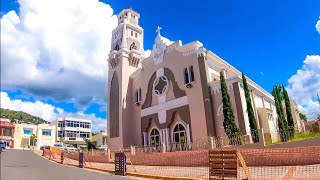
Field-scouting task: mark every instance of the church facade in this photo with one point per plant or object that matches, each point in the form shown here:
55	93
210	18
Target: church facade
172	96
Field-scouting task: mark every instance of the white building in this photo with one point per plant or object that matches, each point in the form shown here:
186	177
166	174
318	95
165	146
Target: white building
45	135
72	130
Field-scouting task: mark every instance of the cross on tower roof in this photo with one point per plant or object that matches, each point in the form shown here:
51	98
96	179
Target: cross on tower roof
158	30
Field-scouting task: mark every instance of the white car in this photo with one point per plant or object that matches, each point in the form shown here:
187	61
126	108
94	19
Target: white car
69	148
58	146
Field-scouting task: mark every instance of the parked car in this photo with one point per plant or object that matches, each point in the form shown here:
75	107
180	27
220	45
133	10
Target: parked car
102	148
58	146
45	147
69	148
2	146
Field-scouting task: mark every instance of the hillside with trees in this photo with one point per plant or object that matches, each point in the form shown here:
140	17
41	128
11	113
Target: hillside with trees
20	116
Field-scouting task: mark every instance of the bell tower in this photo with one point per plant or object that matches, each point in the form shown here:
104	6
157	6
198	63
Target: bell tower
123	59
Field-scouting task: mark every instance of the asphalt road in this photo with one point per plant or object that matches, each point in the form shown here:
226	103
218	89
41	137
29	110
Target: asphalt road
26	165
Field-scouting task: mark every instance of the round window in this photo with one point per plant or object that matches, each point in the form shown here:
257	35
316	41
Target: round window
160	85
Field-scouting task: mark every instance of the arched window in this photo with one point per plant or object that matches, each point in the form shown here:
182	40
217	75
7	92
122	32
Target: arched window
154	137
133	46
179	134
138	97
191	74
116	48
188	75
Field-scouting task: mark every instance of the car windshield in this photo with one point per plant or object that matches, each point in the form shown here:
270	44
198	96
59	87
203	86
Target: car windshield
58	145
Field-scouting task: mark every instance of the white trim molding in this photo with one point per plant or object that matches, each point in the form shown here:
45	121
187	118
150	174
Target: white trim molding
165	106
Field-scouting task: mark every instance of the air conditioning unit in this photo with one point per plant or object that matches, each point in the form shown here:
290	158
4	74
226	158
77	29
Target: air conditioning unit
189	85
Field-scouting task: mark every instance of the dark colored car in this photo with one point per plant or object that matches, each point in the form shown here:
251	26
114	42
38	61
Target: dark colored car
2	146
45	147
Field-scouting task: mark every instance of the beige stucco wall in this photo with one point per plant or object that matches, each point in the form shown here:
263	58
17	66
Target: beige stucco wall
21	139
100	138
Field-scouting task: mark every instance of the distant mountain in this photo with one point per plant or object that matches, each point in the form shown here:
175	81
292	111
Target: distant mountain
19	116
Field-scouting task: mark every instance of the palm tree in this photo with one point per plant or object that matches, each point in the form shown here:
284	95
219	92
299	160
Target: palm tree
33	138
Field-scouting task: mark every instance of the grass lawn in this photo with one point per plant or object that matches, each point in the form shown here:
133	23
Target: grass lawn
298	137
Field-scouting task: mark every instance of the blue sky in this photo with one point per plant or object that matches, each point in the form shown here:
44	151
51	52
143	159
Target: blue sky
272	42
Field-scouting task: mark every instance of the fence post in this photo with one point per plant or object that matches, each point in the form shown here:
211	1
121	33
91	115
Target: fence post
62	157
212	143
132	150
81	159
261	137
109	155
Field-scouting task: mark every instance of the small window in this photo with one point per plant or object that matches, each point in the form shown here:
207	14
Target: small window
191	74
186	79
136	35
131	33
188	75
138	97
133	46
116	48
27	131
46	132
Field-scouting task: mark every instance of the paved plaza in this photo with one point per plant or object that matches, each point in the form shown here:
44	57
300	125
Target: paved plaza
26	165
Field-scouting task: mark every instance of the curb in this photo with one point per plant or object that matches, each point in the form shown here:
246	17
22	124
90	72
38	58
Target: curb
128	173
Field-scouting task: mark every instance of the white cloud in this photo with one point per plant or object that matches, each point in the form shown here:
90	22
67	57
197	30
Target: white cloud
58	49
318	25
38	108
48	111
305	84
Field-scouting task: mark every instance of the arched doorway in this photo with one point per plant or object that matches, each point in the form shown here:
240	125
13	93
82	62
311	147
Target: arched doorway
180	137
179	134
154	140
154	137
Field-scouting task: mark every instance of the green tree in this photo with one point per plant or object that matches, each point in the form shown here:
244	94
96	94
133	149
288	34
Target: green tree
303	116
282	123
229	124
288	111
252	119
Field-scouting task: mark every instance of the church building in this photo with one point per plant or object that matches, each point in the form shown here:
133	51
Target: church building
173	96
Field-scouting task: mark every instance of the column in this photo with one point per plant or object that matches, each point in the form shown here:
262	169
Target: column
188	135
53	135
164	142
145	139
167	136
1	131
254	108
39	135
124	36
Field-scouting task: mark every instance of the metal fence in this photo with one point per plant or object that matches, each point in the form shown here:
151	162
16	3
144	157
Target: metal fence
280	163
